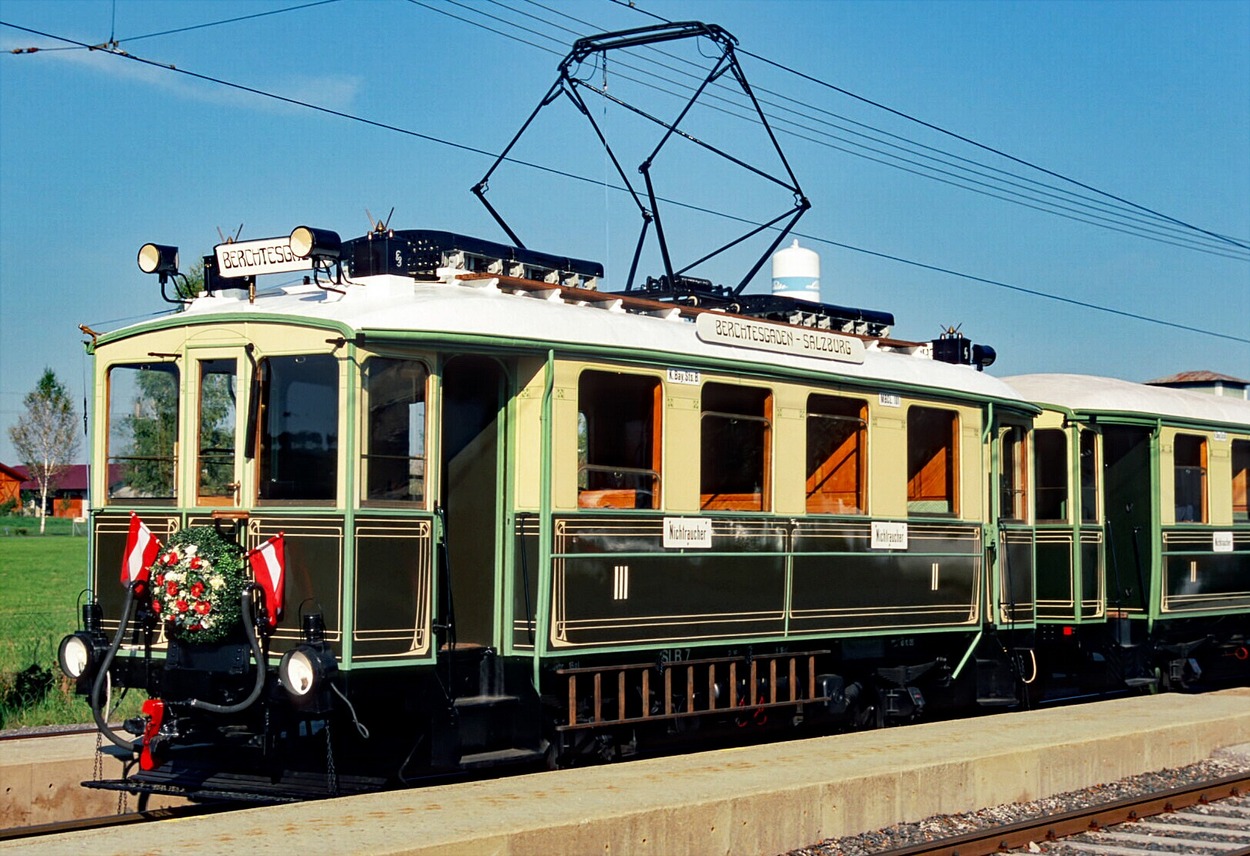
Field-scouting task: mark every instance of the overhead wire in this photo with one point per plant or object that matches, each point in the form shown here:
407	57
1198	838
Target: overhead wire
631	4
851	147
597	182
1130	221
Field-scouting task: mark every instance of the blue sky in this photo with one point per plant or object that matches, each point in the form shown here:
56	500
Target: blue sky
1149	101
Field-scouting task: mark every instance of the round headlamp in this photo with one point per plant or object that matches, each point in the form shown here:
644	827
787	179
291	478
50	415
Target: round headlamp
74	655
298	672
305	672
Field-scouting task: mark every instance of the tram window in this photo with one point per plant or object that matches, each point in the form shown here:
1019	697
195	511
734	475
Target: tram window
1190	471
1014	474
931	461
394	442
299	418
218	387
736	436
1050	474
618	440
142	431
1089	476
1241	480
837	447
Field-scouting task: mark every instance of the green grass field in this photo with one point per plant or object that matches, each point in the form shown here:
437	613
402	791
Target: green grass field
41	579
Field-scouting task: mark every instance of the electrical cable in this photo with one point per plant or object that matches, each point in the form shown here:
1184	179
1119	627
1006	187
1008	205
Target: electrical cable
903	115
573	176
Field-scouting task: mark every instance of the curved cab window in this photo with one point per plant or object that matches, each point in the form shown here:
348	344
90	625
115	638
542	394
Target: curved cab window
1190	454
837	445
299	419
618	446
142	432
931	461
736	436
394	443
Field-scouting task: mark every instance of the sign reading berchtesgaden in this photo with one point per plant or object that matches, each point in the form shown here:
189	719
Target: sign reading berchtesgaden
779	338
249	258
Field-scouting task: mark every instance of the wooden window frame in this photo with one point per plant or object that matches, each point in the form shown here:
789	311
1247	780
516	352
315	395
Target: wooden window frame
622	498
828	473
1202	513
737	500
935	467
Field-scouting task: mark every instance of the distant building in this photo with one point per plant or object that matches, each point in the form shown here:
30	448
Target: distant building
67	496
11	485
1209	382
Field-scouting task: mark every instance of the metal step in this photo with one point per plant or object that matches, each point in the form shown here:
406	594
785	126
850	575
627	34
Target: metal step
499	757
486	701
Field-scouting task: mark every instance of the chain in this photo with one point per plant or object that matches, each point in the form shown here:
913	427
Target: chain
98	771
332	779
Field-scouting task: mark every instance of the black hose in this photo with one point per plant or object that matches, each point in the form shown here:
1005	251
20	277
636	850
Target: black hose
97	712
249	627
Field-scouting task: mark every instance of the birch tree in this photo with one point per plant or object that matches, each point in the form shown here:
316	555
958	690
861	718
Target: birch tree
45	437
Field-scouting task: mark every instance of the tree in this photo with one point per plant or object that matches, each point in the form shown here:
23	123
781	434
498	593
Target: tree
45	437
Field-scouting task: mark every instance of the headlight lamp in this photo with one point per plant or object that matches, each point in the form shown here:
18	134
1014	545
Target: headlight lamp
81	653
74	655
307	669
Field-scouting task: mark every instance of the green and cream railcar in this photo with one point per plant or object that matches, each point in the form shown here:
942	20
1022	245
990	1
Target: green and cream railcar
1143	533
535	517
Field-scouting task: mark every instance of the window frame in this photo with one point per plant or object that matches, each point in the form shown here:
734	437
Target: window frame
201	498
600	386
1192	443
1014	493
111	460
1239	452
367	433
262	390
757	500
1044	467
917	478
815	497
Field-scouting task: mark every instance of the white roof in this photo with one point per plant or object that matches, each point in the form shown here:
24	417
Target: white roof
1090	394
385	304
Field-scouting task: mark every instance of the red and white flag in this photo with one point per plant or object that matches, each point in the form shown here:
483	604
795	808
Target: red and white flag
142	548
268	563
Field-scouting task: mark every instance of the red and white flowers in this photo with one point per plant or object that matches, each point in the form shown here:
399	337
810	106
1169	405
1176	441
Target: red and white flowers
196	584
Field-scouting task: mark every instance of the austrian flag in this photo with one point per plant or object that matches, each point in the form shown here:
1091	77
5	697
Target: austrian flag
268	563
142	549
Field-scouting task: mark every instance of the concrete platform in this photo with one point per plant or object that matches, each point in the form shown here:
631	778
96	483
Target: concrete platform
39	781
757	800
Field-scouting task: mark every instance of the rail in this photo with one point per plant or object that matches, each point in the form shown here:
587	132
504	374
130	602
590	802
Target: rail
1090	819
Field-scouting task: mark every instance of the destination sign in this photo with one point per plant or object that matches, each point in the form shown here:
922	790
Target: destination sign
800	341
250	258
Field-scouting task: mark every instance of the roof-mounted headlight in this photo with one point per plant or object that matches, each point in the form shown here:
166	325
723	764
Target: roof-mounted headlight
315	244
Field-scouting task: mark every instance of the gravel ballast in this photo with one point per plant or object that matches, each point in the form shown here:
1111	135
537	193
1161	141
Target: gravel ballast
1224	763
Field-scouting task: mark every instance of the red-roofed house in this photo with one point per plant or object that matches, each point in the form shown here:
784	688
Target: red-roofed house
11	484
1204	381
67	497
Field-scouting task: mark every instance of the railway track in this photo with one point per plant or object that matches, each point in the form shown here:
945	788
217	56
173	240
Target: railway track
1209	817
46	829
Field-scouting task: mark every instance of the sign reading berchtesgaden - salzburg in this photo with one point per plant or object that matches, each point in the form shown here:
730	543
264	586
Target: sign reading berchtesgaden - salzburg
801	341
249	258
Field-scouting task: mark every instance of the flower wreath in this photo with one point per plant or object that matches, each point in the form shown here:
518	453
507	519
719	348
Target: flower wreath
196	585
